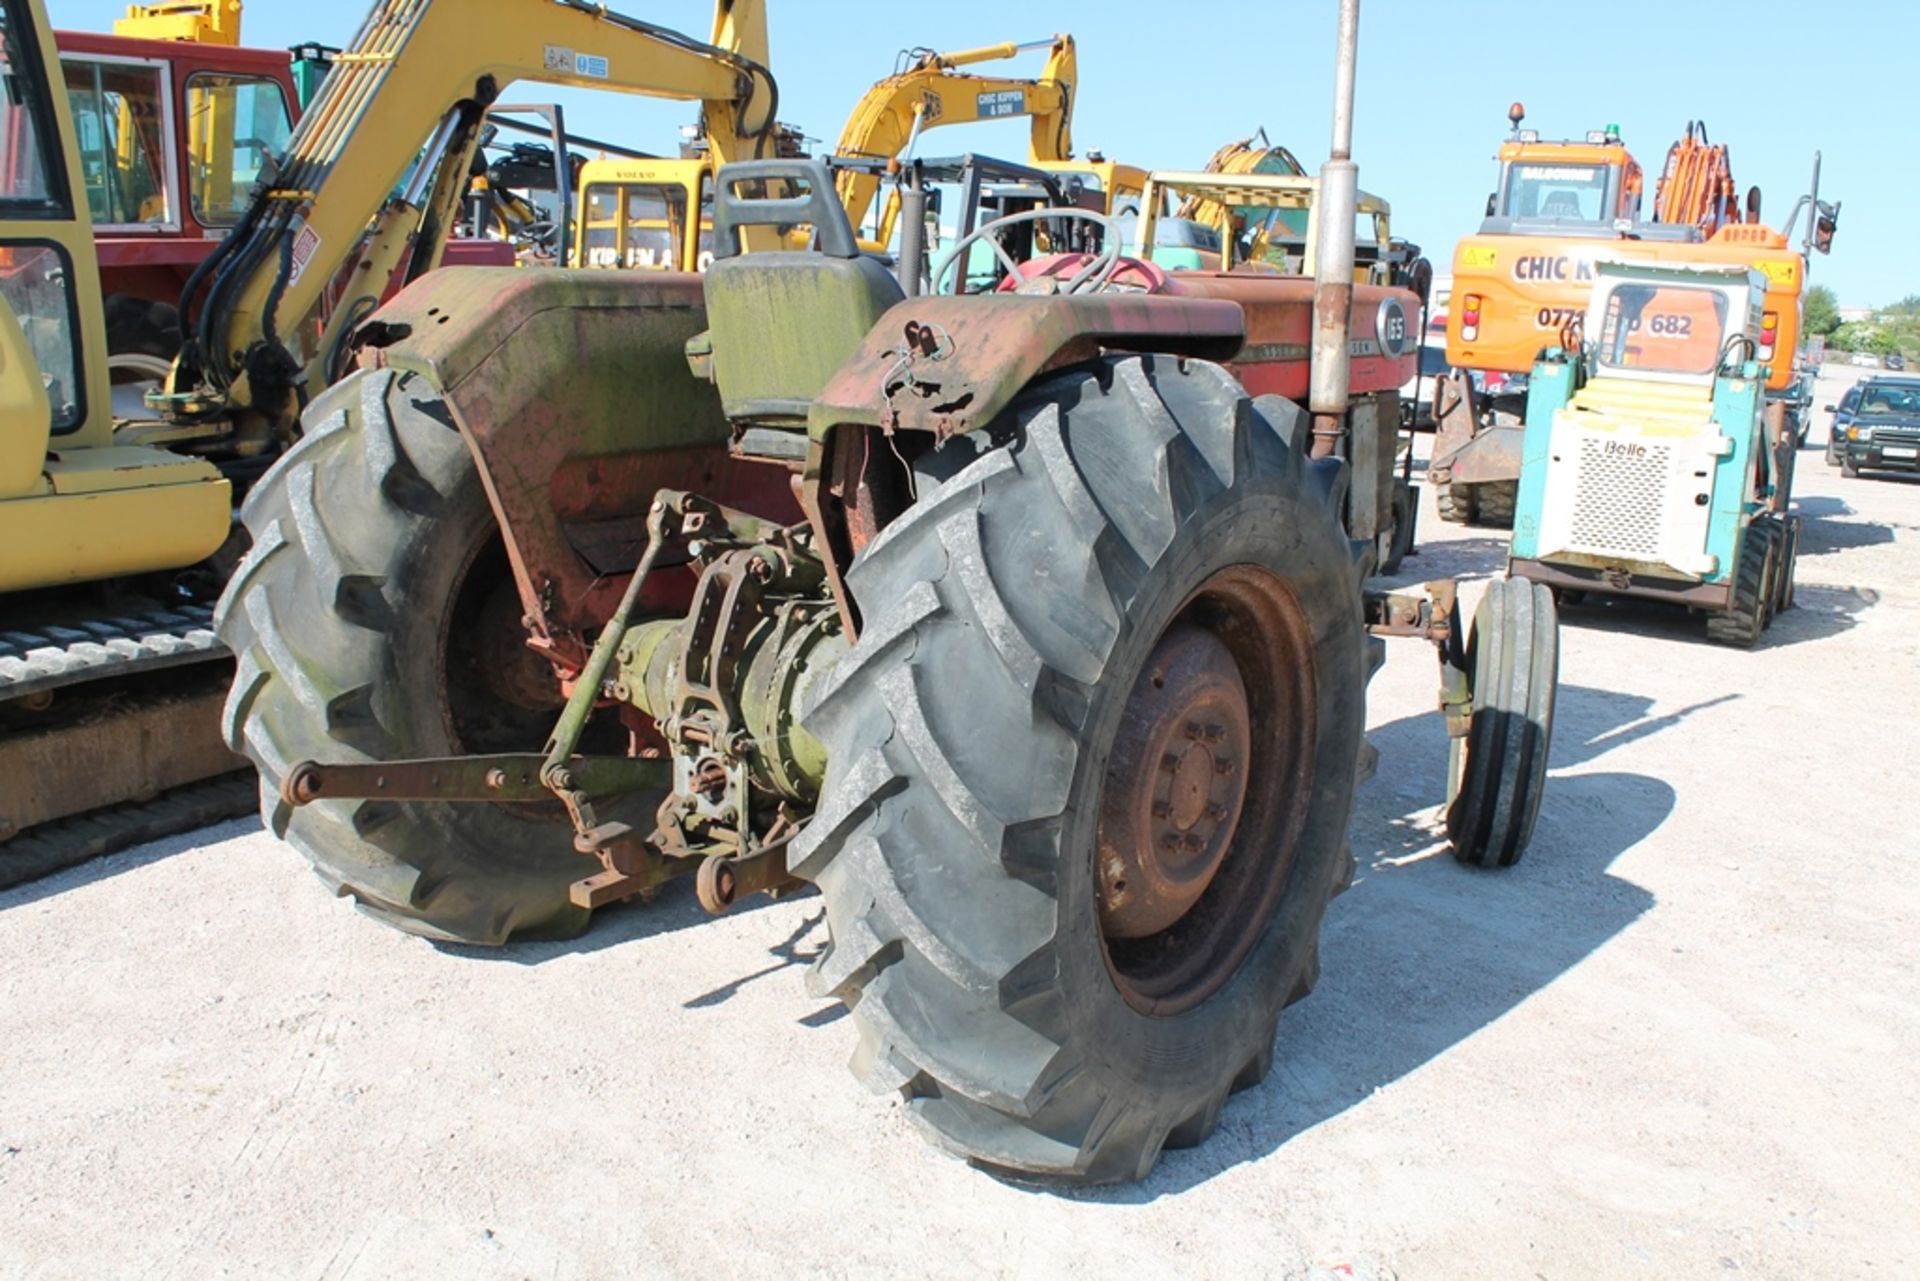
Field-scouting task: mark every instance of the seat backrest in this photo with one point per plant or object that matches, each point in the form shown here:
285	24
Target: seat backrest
782	322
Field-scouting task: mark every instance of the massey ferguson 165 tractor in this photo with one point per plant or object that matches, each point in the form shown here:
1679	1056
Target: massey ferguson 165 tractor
1010	621
1650	467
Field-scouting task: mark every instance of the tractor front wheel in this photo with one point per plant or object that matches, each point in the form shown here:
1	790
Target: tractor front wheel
1092	762
1498	771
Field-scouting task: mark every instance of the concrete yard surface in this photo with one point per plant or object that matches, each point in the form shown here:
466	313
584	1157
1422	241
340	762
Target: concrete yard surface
1680	1039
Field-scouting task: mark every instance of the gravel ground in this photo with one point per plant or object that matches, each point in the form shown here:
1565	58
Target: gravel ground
1680	1039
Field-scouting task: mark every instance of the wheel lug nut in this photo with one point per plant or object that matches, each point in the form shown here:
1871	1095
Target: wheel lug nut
1161	809
1170	762
1169	841
1193	842
1223	766
1218	813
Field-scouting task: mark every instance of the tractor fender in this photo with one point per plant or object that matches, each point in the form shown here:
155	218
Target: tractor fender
571	388
947	365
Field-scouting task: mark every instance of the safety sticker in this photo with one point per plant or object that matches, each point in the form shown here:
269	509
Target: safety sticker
305	245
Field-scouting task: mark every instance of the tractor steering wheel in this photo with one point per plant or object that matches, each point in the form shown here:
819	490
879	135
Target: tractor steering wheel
1087	280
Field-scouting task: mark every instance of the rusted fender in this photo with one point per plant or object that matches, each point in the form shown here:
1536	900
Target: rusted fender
947	365
573	392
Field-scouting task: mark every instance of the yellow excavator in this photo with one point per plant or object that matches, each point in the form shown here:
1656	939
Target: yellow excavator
116	536
656	213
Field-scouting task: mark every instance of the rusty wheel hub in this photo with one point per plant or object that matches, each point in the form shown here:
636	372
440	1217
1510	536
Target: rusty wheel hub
1175	785
1202	798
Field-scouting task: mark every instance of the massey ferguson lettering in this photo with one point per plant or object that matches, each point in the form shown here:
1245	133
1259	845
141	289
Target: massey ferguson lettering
1555	268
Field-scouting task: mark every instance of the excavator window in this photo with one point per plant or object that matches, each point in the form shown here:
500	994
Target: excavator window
27	157
234	125
643	224
1664	329
36	281
1581	193
36	277
119	109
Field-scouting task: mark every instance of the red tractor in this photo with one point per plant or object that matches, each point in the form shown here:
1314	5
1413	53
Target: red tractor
1011	621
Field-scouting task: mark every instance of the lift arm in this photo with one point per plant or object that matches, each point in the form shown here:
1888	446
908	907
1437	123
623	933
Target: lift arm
355	189
933	92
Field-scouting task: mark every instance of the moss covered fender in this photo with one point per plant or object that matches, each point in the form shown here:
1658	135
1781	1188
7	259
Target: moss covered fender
572	390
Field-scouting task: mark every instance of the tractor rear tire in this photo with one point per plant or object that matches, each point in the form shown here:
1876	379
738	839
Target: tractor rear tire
1496	774
983	734
1747	614
351	624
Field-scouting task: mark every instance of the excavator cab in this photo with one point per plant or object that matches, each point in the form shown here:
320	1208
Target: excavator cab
1594	180
781	323
75	503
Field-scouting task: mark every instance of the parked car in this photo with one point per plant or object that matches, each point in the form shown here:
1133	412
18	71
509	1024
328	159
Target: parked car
1896	361
1880	429
1837	428
1864	358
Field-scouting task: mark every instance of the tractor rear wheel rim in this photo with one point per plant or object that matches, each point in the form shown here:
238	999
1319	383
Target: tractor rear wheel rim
1204	794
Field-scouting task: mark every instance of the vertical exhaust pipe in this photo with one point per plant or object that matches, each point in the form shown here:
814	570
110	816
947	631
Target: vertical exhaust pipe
913	230
1333	265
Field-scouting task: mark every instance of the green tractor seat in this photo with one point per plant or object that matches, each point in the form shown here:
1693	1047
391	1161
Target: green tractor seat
782	322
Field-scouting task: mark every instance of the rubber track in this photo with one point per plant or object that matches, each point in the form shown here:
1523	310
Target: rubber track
49	656
52	847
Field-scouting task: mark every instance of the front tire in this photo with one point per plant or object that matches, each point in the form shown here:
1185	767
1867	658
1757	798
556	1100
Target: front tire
1747	613
356	621
1397	543
1139	541
1497	773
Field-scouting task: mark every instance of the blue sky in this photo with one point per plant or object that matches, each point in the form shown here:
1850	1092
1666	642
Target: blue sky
1435	79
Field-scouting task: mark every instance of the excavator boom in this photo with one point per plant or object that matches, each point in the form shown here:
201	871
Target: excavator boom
419	67
930	93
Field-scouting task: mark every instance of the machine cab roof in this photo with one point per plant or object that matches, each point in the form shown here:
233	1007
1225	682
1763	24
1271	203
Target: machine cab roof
1561	186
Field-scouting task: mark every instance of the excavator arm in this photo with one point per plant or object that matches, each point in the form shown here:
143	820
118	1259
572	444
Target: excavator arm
932	92
1697	185
354	187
